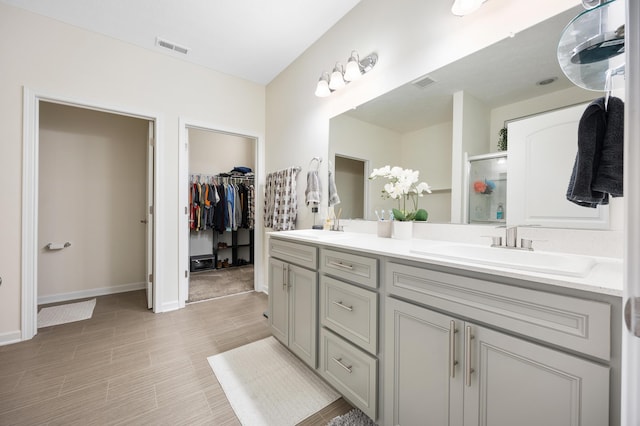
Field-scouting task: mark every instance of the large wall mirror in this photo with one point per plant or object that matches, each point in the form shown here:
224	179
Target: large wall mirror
429	124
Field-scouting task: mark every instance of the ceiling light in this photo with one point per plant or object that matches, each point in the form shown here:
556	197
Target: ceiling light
322	89
337	77
465	7
341	75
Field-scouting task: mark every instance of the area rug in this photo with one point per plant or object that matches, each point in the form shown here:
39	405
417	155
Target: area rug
267	385
62	314
354	417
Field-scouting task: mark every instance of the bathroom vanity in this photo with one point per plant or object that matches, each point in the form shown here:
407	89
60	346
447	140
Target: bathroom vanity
411	337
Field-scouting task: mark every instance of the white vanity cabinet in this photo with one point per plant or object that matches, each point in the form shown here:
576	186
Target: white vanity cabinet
349	320
441	369
293	297
445	371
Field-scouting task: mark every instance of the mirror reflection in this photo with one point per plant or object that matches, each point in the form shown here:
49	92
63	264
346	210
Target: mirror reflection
432	123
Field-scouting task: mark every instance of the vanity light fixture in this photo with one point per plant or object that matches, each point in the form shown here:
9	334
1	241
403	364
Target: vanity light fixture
322	89
465	7
337	77
341	75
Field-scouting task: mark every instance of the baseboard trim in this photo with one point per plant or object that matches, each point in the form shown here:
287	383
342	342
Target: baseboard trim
10	337
82	294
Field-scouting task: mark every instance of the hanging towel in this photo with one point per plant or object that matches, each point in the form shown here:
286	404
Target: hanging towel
609	176
334	198
591	132
313	191
281	201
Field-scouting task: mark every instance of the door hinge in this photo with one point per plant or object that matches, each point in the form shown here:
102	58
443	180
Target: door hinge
186	273
150	209
150	278
186	210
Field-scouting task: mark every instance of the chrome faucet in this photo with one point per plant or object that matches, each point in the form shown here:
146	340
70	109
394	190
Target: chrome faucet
511	240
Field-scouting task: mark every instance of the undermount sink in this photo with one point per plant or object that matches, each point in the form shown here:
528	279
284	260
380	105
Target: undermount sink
545	262
318	234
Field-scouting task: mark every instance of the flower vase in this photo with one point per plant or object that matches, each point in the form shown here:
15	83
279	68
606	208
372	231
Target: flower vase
402	230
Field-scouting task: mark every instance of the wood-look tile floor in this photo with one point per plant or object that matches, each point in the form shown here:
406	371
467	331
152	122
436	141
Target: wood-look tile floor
127	365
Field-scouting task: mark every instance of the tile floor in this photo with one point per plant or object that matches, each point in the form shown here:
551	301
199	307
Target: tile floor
129	366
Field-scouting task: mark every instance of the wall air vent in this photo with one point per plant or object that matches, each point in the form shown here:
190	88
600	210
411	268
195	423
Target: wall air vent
171	46
423	82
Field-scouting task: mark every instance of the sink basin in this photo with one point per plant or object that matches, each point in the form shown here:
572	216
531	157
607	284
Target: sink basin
317	234
545	262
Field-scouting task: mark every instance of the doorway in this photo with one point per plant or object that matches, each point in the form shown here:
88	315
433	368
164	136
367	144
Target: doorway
221	210
351	182
87	271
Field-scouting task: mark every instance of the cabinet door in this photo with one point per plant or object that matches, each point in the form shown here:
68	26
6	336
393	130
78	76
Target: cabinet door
515	382
278	300
423	368
303	313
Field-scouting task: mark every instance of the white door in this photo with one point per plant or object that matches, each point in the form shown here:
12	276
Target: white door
149	219
542	150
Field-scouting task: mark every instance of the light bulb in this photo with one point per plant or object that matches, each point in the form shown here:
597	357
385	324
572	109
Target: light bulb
322	89
465	7
352	71
337	79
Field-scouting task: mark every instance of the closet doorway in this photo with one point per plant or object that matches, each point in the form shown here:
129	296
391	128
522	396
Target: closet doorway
221	213
83	234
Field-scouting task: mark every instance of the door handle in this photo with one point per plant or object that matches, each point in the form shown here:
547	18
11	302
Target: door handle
467	349
452	349
144	221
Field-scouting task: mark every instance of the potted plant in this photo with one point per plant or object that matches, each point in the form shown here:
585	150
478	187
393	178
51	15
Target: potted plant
502	139
403	186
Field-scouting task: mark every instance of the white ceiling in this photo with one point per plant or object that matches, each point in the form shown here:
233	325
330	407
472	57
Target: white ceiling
251	39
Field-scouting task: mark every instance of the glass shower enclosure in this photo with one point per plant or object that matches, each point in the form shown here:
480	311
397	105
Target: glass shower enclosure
486	185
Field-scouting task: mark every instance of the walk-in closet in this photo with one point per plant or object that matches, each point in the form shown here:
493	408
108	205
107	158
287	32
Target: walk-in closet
221	214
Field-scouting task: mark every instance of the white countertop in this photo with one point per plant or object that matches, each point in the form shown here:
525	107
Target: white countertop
606	276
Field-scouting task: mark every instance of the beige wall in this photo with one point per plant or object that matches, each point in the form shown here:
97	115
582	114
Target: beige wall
61	60
215	152
92	181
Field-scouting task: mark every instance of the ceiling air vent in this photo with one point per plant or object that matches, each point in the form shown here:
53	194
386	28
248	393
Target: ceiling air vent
172	46
423	82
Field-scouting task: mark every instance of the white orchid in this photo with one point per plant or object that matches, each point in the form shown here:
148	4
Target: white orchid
403	184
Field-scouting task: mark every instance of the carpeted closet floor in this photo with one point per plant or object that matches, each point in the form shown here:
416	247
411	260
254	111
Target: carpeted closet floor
220	282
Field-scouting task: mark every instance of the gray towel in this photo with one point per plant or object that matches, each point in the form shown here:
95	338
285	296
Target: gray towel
333	191
314	190
591	131
610	170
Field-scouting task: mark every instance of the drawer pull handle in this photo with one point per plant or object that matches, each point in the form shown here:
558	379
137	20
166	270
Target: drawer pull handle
452	349
343	306
338	361
341	265
468	336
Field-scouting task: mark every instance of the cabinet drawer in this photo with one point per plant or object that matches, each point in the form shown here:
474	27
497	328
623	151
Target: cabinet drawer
577	324
350	370
298	254
350	311
359	269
